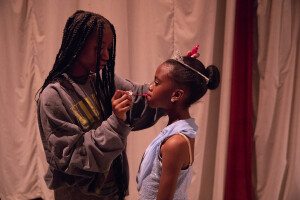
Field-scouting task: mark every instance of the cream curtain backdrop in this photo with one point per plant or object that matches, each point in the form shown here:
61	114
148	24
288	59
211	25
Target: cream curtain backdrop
276	135
148	32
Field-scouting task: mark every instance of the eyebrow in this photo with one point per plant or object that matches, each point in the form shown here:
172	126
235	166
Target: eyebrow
156	78
110	44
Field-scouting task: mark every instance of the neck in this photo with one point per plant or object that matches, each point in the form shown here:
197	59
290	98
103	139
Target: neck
82	78
178	114
78	70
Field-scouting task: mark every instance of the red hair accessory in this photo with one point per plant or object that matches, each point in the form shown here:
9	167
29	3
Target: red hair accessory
193	52
179	59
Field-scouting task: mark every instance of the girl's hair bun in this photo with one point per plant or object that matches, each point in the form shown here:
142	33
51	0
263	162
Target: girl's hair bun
213	74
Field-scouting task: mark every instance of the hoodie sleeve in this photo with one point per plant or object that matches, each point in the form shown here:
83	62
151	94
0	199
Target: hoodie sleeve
70	149
140	116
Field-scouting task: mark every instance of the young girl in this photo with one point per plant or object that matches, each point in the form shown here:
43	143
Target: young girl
165	170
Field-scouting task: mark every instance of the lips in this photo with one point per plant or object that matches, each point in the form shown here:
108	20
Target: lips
102	64
148	95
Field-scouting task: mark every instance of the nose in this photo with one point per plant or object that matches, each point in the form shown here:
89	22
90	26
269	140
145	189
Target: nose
104	54
151	86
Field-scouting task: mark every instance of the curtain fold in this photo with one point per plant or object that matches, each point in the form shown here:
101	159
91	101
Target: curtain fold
238	175
148	33
276	133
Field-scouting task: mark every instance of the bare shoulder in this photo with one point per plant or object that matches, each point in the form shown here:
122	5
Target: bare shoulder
175	141
177	148
175	144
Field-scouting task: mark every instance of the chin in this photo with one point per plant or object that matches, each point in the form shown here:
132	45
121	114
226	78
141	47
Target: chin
151	105
102	67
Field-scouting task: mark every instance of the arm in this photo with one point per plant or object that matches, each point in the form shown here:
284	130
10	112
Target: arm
68	147
174	153
140	115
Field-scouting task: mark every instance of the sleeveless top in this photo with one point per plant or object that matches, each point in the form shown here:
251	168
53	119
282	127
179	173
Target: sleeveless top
149	174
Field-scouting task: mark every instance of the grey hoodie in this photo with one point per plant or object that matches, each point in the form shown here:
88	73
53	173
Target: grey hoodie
80	147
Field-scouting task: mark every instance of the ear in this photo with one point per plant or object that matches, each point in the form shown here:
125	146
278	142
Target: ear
177	95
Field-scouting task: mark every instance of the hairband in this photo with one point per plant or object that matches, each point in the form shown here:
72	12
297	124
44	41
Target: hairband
179	59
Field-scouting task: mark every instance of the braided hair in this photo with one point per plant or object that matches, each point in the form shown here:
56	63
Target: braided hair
78	29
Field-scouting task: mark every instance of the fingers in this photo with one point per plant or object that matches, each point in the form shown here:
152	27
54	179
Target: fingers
121	103
121	97
188	54
122	106
117	95
195	55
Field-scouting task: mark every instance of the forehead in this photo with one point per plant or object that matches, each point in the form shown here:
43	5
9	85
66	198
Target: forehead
107	36
163	71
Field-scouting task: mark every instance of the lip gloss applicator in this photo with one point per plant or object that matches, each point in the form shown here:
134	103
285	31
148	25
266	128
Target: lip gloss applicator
131	94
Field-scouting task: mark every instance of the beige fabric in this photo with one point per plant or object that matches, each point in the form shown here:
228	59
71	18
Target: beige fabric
277	140
224	108
148	32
